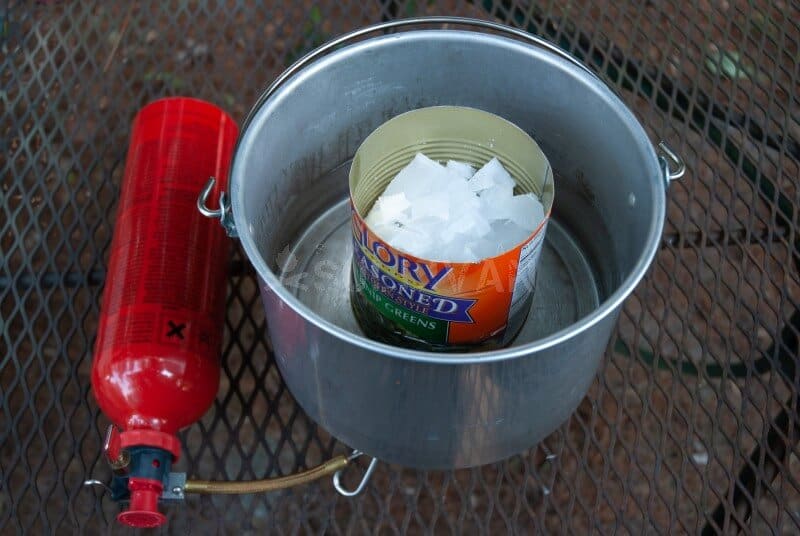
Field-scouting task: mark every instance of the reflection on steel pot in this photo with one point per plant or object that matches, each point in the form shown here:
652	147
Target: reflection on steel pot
289	193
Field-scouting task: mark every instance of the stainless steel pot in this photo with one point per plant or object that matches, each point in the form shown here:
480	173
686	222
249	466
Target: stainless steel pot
288	204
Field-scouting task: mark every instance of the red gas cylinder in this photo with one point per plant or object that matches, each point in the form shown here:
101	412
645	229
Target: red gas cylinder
156	362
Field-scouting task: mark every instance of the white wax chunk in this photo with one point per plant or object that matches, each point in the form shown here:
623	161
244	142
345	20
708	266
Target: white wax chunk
526	211
453	213
419	178
491	174
461	169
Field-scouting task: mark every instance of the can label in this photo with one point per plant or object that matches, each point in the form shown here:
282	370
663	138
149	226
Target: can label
438	302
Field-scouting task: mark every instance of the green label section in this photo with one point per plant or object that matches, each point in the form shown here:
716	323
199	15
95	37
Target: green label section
415	324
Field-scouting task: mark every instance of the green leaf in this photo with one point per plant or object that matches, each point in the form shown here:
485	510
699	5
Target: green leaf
113	36
315	15
167	78
313	36
729	63
764	24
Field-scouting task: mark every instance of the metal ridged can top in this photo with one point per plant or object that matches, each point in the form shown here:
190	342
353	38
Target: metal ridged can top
448	133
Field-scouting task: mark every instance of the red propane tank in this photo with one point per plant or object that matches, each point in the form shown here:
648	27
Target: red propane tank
156	361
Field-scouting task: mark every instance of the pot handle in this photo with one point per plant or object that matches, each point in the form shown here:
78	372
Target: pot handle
337	476
223	213
400	23
672	165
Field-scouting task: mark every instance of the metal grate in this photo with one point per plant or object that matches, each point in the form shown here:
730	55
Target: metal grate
693	420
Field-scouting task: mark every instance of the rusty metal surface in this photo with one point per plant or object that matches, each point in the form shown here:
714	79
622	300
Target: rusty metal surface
692	423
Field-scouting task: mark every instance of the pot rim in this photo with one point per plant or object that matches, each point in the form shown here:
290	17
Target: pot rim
655	174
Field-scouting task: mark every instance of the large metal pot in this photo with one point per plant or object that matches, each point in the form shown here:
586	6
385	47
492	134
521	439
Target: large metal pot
288	190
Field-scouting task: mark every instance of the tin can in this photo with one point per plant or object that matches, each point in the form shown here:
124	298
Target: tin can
421	303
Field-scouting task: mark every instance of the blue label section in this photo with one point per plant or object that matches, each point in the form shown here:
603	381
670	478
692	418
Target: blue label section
433	305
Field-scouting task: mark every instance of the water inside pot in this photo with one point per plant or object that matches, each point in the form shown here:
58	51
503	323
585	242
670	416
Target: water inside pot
575	273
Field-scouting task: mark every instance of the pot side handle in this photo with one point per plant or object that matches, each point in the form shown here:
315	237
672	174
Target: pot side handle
337	476
223	213
672	165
